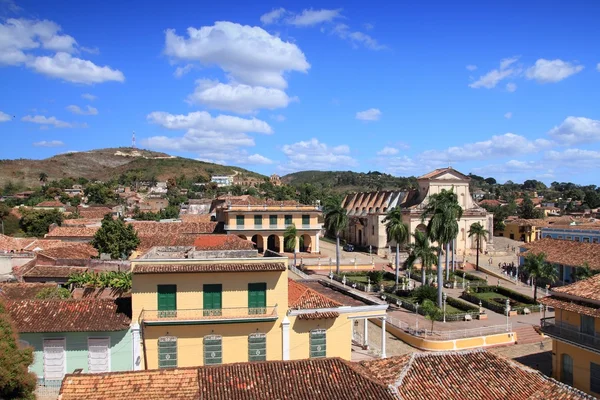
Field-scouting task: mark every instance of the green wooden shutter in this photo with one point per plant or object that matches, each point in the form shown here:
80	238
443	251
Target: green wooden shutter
257	298
258	221
305	220
318	343
273	221
288	220
212	299
167	352
213	350
167	300
257	347
239	221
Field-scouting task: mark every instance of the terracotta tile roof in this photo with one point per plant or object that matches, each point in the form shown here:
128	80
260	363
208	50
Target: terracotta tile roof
195	217
465	375
207	267
162	228
37	316
301	297
50	204
83	222
9	243
579	307
70	250
566	252
316	379
52	271
588	288
491	203
440	171
22	291
222	242
94	212
73	231
332	294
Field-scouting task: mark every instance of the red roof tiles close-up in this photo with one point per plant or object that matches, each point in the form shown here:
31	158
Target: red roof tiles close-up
22	291
301	297
566	252
222	242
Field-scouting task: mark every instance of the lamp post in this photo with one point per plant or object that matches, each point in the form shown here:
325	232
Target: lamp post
417	316
444	296
507	311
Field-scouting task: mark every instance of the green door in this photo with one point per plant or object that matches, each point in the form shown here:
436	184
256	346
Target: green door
212	299
257	298
167	300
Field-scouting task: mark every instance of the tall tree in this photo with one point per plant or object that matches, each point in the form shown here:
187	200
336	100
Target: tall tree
527	209
443	211
538	268
397	231
336	220
43	177
115	238
37	222
16	382
480	234
289	238
422	250
4	212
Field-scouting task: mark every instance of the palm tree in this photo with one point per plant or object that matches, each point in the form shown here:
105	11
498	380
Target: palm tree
336	220
397	231
581	273
480	234
443	212
538	268
43	177
289	238
422	250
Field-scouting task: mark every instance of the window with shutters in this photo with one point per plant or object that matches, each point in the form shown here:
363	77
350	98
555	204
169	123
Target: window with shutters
588	325
55	360
318	343
98	355
595	377
212	296
273	221
306	221
167	301
213	351
288	220
567	370
167	352
257	298
257	347
258	221
239	221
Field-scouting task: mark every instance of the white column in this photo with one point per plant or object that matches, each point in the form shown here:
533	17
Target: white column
383	335
285	331
317	241
137	346
366	333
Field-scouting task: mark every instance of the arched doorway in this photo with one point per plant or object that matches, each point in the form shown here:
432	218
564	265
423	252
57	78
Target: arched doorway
273	243
258	242
305	243
421	228
243	237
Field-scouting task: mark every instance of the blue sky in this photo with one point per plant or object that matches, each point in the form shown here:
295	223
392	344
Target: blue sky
502	90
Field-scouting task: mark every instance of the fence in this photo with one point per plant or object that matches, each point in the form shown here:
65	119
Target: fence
449	335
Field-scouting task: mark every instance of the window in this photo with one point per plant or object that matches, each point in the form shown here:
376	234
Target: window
595	377
586	240
567	370
273	220
560	236
257	347
55	361
306	220
594	240
373	230
239	221
257	221
213	350
167	352
257	298
587	325
98	355
167	301
212	299
318	343
288	220
569	238
577	239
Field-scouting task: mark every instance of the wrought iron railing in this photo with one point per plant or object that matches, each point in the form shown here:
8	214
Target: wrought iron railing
207	314
449	335
569	333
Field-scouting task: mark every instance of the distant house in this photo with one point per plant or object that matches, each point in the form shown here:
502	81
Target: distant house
153	204
275	180
50	205
222	180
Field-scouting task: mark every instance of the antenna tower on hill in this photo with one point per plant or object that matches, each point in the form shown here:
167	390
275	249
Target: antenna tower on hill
133	140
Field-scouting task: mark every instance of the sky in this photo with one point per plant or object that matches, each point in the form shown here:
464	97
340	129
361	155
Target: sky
505	89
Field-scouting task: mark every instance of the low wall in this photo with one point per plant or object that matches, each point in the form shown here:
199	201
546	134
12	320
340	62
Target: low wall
449	345
344	267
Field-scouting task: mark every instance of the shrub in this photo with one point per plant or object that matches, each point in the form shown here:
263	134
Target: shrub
375	276
461	305
469	277
425	292
53	293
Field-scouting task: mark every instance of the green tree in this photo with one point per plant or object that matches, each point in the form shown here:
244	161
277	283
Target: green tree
43	177
16	382
431	311
289	238
480	234
37	222
336	220
98	193
115	238
539	269
443	212
53	293
4	213
583	272
397	231
422	250
527	210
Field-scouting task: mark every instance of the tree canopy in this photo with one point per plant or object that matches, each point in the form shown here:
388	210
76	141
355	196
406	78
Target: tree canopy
37	222
115	238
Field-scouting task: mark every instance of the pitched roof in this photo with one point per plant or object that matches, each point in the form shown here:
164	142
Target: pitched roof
465	375
316	379
9	243
93	315
579	307
94	212
207	267
71	250
222	242
50	204
82	222
435	173
51	271
588	288
73	231
301	297
22	291
566	252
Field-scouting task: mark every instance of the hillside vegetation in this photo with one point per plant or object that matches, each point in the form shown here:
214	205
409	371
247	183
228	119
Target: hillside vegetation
348	181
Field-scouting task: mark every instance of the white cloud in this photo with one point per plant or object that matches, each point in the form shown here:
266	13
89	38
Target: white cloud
91	50
4	117
73	69
181	71
272	16
202	120
278	117
508	115
239	98
372	114
42	120
77	110
316	155
250	55
258	159
403	165
550	71
598	66
576	130
471	67
388	151
511	87
509	167
357	38
89	97
49	143
491	79
313	17
578	158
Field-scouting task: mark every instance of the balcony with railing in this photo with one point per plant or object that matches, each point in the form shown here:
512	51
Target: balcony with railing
570	333
202	316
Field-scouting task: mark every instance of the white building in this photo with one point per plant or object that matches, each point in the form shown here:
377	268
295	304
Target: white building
222	180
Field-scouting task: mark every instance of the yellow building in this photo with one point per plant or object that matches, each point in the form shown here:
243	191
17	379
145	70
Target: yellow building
194	312
264	222
524	230
574	330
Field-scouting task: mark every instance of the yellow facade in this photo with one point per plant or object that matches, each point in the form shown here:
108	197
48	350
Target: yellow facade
525	234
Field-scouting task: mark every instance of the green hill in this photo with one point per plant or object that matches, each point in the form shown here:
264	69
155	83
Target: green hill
348	181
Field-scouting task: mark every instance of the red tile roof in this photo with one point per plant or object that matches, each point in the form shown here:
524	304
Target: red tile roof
37	316
301	297
579	307
566	252
222	242
316	379
22	291
82	222
93	212
207	267
70	250
52	271
73	231
8	243
439	171
588	288
56	204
